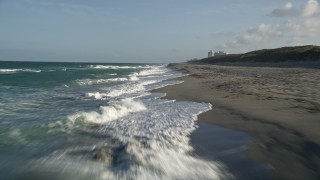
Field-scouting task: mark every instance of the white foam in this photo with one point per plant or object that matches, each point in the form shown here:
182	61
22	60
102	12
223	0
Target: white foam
133	78
31	70
152	71
108	113
96	95
99	81
138	83
129	88
116	67
18	70
157	142
10	70
154	144
152	136
16	134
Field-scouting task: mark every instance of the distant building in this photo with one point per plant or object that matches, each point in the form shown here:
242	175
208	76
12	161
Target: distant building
219	53
210	53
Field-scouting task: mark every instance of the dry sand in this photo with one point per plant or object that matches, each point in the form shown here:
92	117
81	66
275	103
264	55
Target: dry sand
278	107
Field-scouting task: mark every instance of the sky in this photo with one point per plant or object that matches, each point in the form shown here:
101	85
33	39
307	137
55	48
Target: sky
151	31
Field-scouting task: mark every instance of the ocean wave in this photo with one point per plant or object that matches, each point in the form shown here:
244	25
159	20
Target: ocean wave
138	83
151	71
108	113
18	70
133	78
99	81
97	95
130	138
116	67
134	86
128	88
152	143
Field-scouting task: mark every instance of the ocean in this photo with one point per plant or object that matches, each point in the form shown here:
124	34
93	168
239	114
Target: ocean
96	121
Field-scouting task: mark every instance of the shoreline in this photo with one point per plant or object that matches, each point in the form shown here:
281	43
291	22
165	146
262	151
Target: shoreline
227	146
258	100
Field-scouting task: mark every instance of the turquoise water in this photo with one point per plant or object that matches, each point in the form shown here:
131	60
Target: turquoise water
97	121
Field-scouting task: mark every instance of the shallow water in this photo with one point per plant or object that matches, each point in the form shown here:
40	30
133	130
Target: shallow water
97	121
228	147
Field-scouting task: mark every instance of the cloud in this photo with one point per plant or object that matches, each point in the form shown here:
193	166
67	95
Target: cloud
259	34
311	8
295	31
287	10
302	29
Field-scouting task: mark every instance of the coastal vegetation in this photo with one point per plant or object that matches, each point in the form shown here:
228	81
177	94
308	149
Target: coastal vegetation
278	55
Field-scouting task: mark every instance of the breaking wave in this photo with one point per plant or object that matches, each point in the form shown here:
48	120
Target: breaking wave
108	113
99	81
137	135
117	67
18	70
150	140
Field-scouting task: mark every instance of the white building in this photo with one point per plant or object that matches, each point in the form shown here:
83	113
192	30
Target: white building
210	53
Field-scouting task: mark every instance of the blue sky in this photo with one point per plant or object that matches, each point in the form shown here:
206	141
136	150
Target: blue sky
150	30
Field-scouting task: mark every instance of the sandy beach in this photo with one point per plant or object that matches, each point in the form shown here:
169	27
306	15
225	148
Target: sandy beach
278	107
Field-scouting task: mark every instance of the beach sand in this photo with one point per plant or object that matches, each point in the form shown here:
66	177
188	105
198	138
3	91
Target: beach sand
278	107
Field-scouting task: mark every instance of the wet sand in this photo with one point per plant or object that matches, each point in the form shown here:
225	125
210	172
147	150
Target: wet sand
278	107
226	146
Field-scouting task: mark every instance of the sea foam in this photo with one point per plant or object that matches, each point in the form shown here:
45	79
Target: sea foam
18	70
108	113
141	136
151	143
117	67
83	82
